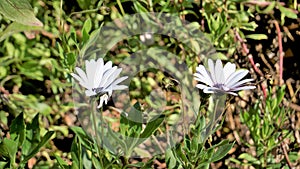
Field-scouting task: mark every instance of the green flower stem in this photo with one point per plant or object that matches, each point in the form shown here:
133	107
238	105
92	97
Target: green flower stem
94	120
215	109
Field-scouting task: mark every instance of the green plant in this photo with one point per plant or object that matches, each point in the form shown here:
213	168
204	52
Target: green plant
25	140
267	124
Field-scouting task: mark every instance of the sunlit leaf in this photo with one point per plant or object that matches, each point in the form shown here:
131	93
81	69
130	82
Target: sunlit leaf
287	12
19	11
257	36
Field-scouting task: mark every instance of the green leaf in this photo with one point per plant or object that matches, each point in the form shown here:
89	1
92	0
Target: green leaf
76	152
61	162
249	158
280	95
218	55
268	9
235	161
154	123
3	71
287	12
71	59
83	137
171	160
96	162
131	125
221	152
4	164
9	148
257	36
44	140
119	140
17	129
138	165
19	11
86	161
139	7
87	26
180	153
135	120
84	4
251	26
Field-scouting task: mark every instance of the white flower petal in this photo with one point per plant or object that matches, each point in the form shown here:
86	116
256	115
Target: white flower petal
232	93
102	99
212	71
119	87
235	77
243	88
228	69
219	72
107	66
99	79
90	68
112	77
201	86
98	72
208	90
203	80
107	76
89	93
221	80
82	74
77	78
240	83
119	80
204	75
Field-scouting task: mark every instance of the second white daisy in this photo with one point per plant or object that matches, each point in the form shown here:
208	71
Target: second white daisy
219	80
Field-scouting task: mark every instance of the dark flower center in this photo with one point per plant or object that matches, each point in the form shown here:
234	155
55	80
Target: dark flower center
221	86
99	90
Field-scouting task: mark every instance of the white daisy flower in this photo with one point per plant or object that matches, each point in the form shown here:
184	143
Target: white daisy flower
99	79
221	80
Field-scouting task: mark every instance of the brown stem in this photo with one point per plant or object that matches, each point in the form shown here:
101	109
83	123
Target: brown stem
285	153
280	52
245	48
256	69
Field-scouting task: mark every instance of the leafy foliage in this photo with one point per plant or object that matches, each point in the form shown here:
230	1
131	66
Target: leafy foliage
41	42
268	130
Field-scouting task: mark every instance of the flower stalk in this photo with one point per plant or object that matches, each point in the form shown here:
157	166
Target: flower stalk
215	110
95	126
219	81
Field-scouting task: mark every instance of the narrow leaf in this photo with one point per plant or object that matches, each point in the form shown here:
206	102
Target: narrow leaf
287	12
83	137
150	128
257	36
61	162
221	152
44	140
